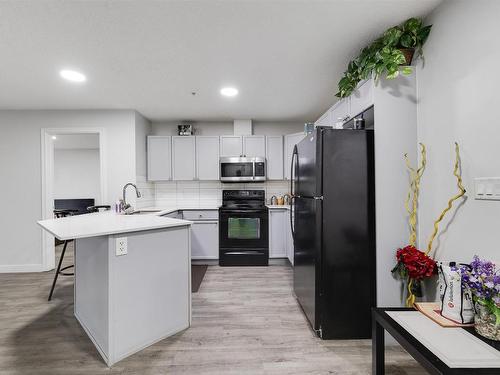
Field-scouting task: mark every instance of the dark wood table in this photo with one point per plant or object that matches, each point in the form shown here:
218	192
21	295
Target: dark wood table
381	322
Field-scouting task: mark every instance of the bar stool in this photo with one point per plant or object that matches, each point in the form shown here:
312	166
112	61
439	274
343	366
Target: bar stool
59	213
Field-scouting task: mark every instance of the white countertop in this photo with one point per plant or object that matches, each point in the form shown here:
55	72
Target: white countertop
166	210
162	210
106	223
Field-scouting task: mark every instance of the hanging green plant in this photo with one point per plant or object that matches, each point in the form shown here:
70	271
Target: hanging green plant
389	54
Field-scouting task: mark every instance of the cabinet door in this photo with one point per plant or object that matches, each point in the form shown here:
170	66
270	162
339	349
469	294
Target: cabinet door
205	240
361	98
254	145
290	141
183	158
207	157
274	157
159	158
231	145
277	242
340	111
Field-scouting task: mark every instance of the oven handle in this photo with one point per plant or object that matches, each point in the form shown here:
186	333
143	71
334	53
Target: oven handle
250	252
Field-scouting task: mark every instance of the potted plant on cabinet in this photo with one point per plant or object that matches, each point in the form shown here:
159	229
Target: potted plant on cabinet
386	54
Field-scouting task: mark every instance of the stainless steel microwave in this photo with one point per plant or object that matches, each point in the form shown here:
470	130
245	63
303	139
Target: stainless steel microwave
242	169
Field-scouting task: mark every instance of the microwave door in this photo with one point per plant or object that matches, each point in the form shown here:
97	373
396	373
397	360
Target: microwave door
242	171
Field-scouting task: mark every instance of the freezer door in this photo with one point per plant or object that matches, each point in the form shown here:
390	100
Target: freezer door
306	235
307	166
348	253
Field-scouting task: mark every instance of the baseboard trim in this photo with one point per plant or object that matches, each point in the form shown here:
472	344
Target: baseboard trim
21	268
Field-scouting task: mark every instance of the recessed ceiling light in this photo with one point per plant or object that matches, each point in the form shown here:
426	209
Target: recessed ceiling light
73	76
54	137
228	91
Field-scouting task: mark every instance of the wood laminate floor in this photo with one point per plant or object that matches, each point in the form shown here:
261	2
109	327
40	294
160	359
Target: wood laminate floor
245	321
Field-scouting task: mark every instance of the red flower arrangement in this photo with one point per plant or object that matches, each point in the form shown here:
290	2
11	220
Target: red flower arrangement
417	264
413	265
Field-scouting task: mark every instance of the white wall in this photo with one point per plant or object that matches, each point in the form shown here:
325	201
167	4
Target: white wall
77	174
458	95
20	171
143	128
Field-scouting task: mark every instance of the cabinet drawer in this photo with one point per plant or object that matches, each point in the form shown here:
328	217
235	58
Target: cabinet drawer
200	215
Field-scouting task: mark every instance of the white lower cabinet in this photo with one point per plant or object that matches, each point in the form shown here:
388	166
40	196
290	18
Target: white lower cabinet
205	240
277	226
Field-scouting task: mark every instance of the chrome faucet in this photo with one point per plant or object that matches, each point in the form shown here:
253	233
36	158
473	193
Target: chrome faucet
127	208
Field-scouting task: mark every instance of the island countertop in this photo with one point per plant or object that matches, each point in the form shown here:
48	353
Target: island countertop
106	223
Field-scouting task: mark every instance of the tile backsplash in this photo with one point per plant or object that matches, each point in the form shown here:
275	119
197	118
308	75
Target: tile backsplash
198	193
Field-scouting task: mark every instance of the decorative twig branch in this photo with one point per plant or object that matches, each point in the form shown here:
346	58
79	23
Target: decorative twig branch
413	192
457	174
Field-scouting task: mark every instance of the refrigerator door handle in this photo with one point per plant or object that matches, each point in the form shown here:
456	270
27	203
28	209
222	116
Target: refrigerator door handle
292	190
292	169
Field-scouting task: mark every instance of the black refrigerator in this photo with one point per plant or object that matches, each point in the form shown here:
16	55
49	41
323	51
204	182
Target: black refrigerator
333	229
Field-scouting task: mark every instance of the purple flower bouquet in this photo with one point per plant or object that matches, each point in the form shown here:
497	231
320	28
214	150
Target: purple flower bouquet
483	280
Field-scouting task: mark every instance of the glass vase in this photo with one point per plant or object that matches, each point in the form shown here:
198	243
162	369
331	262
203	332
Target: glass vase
485	322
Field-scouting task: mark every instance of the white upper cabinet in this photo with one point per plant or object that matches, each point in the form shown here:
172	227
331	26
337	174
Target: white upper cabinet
290	141
254	145
274	157
207	157
361	98
347	108
159	158
183	158
340	111
231	145
324	120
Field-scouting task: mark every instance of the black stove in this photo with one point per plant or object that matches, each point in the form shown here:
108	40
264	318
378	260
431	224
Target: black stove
243	228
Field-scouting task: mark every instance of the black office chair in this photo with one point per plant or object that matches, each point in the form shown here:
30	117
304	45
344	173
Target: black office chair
59	213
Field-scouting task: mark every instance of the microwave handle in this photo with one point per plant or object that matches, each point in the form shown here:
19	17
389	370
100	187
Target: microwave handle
253	168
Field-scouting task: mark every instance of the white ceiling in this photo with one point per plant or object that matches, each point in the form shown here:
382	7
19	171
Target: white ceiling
285	57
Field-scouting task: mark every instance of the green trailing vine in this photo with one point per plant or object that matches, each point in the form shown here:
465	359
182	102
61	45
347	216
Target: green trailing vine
386	55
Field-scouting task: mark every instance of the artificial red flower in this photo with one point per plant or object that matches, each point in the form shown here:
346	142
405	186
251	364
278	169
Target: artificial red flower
417	264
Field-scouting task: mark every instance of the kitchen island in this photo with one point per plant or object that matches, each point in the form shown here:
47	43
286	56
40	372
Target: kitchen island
132	278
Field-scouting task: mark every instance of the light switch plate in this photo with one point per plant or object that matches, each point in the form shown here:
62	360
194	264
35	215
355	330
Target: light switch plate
121	246
487	188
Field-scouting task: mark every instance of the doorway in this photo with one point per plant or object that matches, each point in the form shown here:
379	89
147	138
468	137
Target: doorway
73	176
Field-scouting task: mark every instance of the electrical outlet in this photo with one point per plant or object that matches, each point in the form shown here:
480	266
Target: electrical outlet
487	188
121	246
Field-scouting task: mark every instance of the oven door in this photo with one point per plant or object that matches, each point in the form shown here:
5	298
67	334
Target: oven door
243	229
236	171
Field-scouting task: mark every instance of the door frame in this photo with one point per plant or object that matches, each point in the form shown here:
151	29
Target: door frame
47	175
